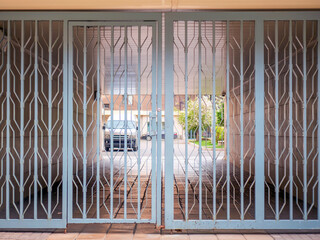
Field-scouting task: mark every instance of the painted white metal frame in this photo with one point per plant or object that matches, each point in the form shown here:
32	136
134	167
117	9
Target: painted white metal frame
155	184
258	17
259	222
154	19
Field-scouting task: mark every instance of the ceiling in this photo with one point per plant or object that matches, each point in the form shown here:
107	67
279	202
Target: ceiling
166	5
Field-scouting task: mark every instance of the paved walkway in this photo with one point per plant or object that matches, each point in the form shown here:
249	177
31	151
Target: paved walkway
148	231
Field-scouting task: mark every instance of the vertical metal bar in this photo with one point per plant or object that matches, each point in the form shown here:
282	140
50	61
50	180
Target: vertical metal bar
241	123
70	117
8	124
305	187
228	124
50	121
35	173
125	118
290	124
276	109
200	123
186	119
318	120
21	120
159	110
139	122
153	123
169	78
66	147
98	124
84	194
259	121
111	130
214	190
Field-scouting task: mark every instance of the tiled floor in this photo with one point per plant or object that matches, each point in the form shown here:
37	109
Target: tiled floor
148	231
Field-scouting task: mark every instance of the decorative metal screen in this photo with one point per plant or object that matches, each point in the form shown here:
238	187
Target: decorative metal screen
209	177
83	121
113	123
291	105
242	121
31	119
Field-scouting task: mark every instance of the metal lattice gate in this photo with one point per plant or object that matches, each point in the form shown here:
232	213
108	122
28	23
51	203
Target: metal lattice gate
85	133
33	170
82	120
112	177
244	98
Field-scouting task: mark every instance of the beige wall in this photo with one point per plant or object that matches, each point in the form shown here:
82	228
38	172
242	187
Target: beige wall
156	4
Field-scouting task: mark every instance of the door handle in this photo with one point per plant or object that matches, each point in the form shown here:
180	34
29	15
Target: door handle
152	132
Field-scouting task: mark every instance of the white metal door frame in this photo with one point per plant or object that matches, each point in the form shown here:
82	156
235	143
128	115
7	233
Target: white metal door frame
153	115
259	221
41	178
153	19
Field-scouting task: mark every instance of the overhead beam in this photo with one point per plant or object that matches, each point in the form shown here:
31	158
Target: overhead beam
166	5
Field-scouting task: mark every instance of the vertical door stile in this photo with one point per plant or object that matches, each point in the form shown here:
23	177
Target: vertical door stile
241	124
125	118
70	96
200	122
98	124
139	122
159	127
214	167
153	125
84	153
169	123
111	129
8	126
186	121
35	192
276	109
50	122
305	158
290	125
228	120
21	120
259	122
65	145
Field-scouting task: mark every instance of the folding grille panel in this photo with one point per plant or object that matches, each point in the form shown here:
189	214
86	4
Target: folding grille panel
242	122
209	177
81	119
31	109
112	176
291	120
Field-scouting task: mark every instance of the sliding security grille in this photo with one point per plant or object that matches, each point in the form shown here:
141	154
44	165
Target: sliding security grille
78	110
81	106
209	177
31	117
242	120
291	120
112	136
